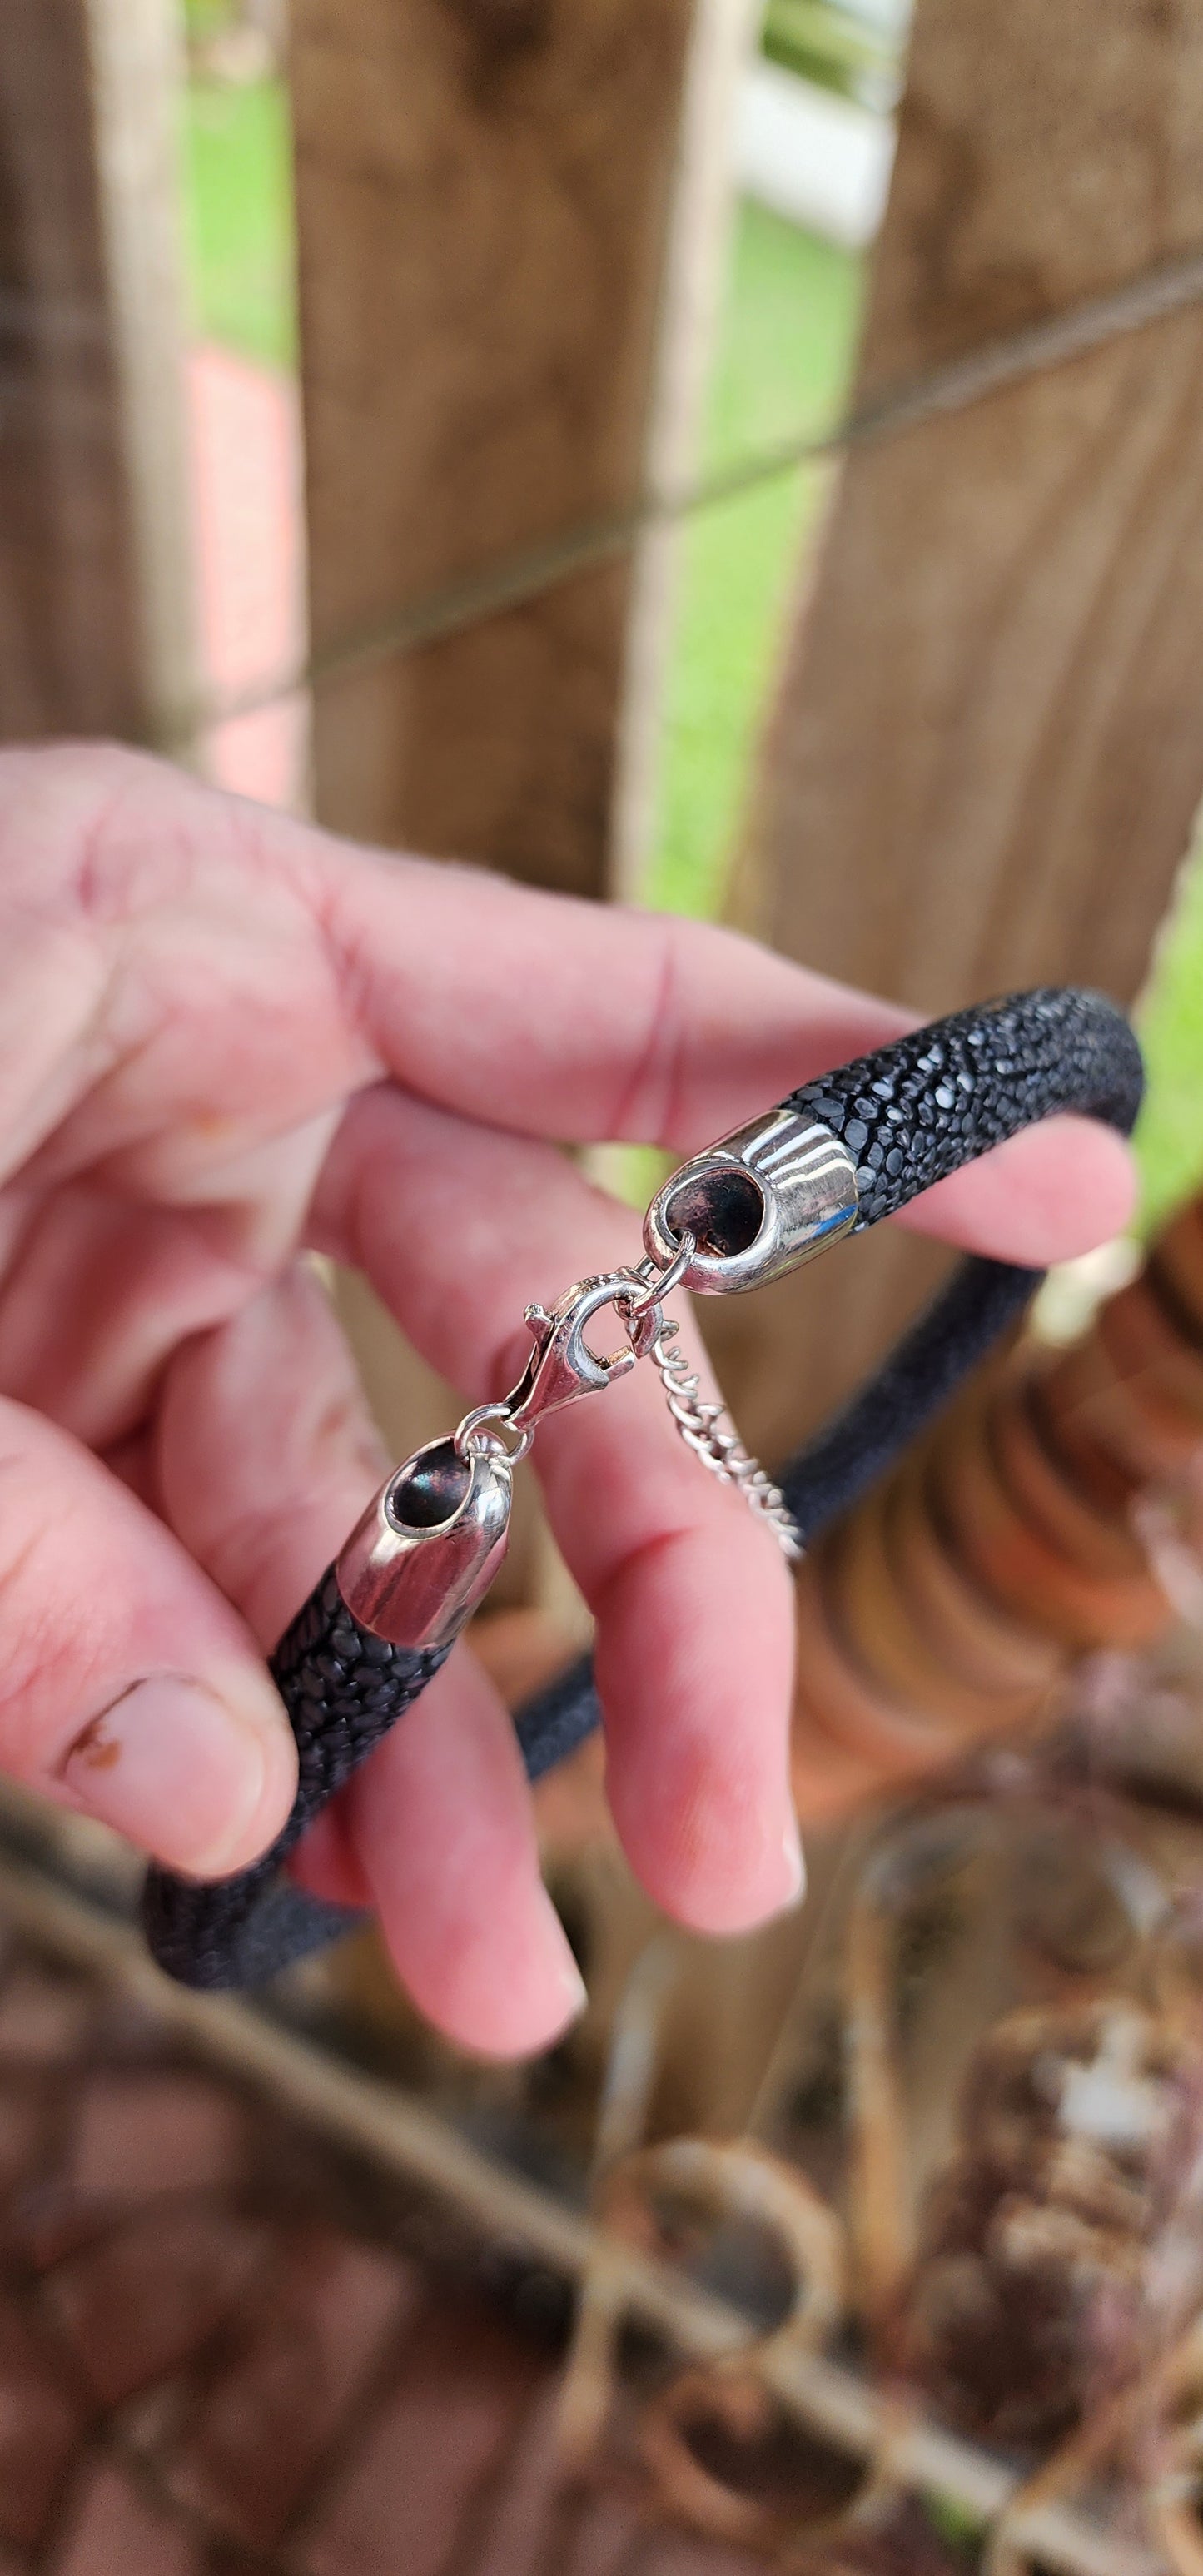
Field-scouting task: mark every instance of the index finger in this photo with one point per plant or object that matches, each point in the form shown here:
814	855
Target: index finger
584	1022
581	1021
695	1631
235	974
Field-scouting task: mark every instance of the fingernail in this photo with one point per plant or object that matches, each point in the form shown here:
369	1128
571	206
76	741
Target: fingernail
174	1768
576	1993
566	1984
791	1845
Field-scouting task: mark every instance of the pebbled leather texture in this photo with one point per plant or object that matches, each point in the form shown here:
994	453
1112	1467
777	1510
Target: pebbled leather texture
911	1119
912	1112
916	1110
343	1690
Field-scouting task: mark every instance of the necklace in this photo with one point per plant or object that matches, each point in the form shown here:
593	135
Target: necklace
834	1158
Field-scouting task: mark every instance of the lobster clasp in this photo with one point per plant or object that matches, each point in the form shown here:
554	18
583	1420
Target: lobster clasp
561	1365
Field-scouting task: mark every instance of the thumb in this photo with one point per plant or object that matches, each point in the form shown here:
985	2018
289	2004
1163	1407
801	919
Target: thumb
129	1688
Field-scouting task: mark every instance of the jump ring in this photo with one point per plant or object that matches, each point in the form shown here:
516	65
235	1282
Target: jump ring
665	1280
465	1440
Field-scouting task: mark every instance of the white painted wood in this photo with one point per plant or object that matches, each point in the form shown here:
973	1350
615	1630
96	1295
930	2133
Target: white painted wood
820	160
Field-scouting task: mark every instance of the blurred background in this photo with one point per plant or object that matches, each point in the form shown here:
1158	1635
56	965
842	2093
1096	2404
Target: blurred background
748	463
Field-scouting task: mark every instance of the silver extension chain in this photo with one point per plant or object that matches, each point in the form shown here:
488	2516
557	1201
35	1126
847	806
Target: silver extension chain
708	1430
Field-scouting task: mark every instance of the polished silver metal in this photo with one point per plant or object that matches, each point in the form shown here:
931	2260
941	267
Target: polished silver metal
780	1189
482	1433
414	1575
707	1429
416	1583
561	1366
657	1284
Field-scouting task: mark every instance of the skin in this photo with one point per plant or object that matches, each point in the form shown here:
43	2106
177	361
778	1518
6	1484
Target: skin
226	1040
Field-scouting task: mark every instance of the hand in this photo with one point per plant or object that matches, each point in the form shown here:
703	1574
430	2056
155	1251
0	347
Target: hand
225	1037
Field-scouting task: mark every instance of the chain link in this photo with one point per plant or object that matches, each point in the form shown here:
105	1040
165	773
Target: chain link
562	1367
482	1434
708	1430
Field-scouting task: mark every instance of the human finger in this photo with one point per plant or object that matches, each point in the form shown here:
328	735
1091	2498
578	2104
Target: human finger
1048	1195
198	975
694	1648
99	1290
579	1021
266	1458
129	1688
441	1822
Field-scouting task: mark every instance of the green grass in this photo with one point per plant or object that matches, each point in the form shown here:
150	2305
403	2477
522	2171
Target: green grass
785	354
784	361
830	46
1169	1138
239	219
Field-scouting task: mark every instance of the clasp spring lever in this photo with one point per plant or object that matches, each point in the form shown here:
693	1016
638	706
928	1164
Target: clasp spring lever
561	1366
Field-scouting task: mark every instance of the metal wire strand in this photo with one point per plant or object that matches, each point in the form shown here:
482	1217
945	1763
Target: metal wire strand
466	600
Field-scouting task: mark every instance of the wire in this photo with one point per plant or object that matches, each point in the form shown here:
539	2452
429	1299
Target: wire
515	579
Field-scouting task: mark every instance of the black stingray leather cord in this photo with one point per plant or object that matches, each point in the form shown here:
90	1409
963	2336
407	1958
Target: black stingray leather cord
911	1113
923	1107
343	1690
830	1474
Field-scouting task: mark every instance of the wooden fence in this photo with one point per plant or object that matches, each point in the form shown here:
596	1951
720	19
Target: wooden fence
985	748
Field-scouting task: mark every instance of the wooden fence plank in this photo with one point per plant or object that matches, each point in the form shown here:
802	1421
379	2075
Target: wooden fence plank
68	613
137	57
483	192
95	599
490	194
987	750
693	265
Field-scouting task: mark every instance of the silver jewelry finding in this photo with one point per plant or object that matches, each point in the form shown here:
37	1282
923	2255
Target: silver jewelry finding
562	1367
707	1429
428	1546
480	1434
658	1283
704	1426
763	1199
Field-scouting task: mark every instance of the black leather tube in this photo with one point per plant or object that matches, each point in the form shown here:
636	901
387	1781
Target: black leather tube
343	1689
913	1112
910	1113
